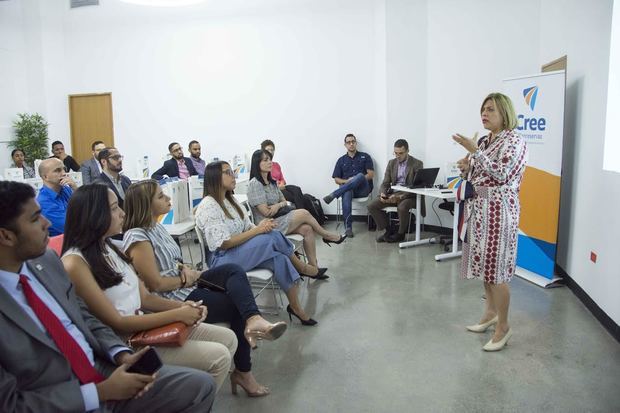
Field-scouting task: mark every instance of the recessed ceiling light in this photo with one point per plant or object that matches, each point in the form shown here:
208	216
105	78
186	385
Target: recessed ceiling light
164	3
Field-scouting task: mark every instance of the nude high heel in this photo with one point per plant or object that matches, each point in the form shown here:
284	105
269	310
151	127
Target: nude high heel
235	379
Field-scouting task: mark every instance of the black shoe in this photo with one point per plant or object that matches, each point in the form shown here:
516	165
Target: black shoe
308	322
384	237
349	233
342	238
328	198
395	238
319	276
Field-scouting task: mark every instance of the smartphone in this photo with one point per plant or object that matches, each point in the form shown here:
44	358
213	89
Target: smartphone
202	283
148	364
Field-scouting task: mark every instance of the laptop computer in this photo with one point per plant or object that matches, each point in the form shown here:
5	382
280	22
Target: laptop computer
425	178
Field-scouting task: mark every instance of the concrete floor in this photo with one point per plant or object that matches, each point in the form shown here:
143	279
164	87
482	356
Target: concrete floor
391	338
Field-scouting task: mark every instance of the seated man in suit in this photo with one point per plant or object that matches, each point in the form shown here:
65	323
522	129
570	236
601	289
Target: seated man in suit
58	151
91	169
54	355
399	171
112	165
179	166
354	172
55	194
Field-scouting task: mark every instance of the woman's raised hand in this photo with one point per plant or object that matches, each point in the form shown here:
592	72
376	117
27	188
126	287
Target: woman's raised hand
471	145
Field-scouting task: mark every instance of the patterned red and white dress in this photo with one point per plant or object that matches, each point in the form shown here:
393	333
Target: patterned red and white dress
492	215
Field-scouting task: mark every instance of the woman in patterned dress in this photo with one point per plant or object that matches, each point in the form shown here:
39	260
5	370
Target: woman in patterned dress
266	200
494	165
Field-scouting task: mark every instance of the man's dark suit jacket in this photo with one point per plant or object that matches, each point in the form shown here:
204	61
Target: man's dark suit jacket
125	182
34	374
391	172
171	168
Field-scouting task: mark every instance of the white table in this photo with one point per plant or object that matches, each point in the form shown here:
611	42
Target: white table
433	193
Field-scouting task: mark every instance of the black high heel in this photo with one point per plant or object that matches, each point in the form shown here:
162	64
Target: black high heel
328	242
319	276
308	322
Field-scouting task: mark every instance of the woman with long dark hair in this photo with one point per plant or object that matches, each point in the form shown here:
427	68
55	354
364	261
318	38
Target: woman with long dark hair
105	280
157	257
267	201
232	238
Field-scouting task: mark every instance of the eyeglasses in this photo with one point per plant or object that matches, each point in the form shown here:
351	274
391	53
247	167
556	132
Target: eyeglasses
228	172
116	157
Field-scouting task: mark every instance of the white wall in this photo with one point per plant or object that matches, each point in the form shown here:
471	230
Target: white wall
590	197
303	76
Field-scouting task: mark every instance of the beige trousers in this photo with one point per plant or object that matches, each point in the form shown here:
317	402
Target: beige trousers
209	348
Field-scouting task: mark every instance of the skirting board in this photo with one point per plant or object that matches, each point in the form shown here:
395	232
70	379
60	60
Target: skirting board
537	279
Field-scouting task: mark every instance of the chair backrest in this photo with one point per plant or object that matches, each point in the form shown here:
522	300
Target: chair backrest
55	243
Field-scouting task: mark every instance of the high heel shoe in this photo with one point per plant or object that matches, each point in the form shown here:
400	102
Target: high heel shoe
481	328
272	332
235	380
328	242
497	346
319	275
308	322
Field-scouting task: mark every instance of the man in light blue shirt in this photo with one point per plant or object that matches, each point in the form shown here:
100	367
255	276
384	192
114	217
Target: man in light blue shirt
36	373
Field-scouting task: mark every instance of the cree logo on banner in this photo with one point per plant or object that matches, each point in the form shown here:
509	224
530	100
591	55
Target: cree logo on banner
531	124
530	95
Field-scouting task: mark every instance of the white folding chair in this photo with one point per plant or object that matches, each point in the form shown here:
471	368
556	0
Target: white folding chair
357	202
392	209
260	279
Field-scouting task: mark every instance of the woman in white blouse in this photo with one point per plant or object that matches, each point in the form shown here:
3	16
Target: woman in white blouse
105	280
267	201
232	238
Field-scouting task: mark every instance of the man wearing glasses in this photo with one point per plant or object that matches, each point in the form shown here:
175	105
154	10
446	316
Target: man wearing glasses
179	166
111	166
353	172
399	171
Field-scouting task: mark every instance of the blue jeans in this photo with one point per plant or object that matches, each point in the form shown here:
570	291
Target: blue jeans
357	187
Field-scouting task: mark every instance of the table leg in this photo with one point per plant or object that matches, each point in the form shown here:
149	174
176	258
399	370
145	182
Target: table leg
418	218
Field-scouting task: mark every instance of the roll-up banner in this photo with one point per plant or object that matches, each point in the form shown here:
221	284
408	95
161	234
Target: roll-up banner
539	104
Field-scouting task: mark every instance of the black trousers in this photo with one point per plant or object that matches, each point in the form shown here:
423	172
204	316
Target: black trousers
234	306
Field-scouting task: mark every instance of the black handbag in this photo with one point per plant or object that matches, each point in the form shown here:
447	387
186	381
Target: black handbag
283	211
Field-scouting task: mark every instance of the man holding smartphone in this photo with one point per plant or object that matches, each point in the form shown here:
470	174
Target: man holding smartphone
55	356
399	171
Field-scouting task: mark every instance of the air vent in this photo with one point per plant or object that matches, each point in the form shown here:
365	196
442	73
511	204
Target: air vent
81	3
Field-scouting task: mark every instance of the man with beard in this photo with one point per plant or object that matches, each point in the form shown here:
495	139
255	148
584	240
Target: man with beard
111	166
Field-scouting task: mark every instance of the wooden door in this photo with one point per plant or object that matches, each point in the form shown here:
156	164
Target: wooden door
90	116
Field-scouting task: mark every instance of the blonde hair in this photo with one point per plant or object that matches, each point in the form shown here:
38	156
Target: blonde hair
138	205
504	106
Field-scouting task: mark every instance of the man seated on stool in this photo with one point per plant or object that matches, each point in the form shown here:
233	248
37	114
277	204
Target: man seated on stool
399	171
91	169
353	172
55	194
112	165
57	357
179	166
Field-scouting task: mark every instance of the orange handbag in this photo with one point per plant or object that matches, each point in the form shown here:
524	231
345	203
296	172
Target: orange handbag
171	335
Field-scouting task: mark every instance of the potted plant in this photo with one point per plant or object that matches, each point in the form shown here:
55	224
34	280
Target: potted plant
30	136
